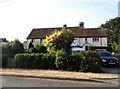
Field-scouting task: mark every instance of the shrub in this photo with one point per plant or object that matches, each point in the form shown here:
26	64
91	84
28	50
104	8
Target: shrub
14	47
39	48
74	62
68	62
90	62
35	60
4	60
61	39
61	60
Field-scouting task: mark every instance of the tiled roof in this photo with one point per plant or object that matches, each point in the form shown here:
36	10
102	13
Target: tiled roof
77	31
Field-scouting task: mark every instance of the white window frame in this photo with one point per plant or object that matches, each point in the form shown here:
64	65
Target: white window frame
96	39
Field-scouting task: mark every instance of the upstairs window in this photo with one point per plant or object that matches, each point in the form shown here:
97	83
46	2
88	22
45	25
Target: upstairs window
95	39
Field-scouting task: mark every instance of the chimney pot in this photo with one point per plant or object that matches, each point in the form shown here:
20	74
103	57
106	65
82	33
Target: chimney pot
81	24
65	25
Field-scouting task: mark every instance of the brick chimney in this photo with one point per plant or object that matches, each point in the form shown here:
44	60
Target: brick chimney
64	25
81	24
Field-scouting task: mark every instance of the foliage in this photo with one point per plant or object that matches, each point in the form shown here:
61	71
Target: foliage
39	48
4	59
61	60
14	47
113	30
35	60
118	48
74	62
67	62
59	40
90	62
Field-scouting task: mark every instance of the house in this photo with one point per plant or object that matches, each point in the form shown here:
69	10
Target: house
83	36
25	44
3	41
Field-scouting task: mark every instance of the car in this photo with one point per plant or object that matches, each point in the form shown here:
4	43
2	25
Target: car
77	49
108	59
99	50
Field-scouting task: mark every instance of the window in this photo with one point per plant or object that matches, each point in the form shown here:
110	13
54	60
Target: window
95	39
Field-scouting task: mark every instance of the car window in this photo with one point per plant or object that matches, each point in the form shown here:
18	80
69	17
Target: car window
106	54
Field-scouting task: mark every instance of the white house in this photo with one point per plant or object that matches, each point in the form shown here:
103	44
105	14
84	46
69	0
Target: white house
3	41
83	36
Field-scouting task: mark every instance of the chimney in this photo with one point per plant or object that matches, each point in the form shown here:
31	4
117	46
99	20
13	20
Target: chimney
81	24
64	25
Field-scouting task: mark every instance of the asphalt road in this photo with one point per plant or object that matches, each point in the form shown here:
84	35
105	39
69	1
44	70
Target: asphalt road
8	81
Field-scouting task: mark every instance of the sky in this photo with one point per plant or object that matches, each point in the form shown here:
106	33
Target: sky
19	17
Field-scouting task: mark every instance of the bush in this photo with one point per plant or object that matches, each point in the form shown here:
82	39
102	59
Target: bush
61	60
118	48
90	62
4	60
35	60
14	47
39	48
68	62
74	62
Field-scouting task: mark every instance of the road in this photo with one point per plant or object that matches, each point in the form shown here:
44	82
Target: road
8	81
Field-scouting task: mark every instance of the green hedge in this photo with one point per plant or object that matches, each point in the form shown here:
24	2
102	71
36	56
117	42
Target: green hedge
87	61
91	62
35	60
67	62
4	59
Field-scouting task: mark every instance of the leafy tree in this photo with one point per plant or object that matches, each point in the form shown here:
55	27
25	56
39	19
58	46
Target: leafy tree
59	40
113	30
40	48
14	47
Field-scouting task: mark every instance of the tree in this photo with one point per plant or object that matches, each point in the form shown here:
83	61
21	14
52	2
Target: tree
59	40
14	47
40	48
113	30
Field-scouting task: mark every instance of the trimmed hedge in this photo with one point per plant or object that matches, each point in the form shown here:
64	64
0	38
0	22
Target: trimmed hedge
67	62
87	61
91	62
35	60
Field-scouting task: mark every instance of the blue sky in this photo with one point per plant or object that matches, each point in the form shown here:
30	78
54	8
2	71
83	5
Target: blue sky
19	17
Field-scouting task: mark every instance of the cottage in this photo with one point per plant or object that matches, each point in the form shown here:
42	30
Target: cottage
83	36
3	41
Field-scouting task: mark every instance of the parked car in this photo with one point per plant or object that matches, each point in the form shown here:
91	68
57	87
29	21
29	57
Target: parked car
100	50
77	49
108	59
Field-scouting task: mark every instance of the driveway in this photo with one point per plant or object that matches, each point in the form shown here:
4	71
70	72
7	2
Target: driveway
111	70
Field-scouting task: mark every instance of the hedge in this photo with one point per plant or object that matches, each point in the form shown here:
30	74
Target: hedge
91	62
87	61
35	60
67	62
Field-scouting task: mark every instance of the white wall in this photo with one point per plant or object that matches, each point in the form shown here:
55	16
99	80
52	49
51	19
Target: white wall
28	41
81	41
104	41
36	41
78	41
